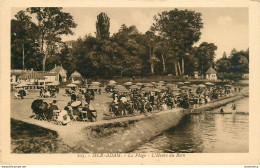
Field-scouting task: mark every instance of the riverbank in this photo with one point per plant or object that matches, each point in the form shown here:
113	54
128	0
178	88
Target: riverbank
117	135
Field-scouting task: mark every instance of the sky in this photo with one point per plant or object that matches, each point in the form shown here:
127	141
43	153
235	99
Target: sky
227	28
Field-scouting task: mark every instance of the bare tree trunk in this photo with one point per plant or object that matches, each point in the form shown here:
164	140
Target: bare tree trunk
151	59
179	67
163	61
44	59
182	66
23	56
176	69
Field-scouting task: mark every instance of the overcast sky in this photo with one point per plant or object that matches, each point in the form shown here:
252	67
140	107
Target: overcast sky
227	28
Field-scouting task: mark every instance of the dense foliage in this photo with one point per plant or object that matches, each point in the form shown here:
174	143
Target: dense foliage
167	48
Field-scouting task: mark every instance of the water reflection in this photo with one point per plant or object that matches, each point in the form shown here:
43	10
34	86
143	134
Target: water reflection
207	133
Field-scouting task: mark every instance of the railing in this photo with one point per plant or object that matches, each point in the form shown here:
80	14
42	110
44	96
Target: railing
29	87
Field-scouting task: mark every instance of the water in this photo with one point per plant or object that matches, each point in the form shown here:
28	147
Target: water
205	133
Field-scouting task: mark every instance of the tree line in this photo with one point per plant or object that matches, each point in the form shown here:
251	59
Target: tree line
167	48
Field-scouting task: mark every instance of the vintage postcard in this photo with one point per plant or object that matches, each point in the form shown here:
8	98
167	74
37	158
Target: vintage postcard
130	82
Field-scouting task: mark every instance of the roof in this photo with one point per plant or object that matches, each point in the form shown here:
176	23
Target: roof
31	75
48	73
75	74
17	72
211	71
58	69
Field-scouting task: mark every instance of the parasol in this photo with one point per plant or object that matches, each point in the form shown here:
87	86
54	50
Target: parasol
76	104
201	85
111	84
112	81
228	85
175	89
134	87
148	84
128	83
180	83
93	87
139	84
209	83
147	89
71	85
193	85
162	87
95	83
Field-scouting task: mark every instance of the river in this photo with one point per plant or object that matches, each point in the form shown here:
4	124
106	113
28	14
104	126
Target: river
205	133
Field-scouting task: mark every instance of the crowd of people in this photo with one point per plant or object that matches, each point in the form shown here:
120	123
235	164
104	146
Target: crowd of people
135	100
140	101
49	92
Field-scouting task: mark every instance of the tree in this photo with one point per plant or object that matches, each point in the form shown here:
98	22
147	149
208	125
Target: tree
102	26
205	55
23	40
151	43
52	23
181	28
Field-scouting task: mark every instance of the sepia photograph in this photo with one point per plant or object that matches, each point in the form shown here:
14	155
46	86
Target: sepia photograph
135	83
139	80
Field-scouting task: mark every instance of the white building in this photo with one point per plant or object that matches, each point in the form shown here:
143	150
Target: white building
211	74
62	73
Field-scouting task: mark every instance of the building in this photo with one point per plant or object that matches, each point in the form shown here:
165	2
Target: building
31	76
15	73
62	73
211	74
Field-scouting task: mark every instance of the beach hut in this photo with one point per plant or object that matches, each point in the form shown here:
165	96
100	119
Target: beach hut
211	74
62	73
